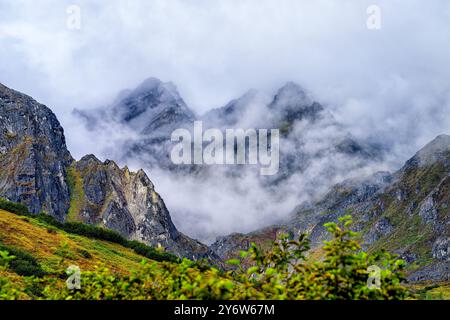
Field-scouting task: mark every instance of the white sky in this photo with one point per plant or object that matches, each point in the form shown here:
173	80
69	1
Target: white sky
394	80
391	84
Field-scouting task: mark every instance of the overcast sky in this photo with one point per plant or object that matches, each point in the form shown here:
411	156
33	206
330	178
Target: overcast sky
394	80
391	84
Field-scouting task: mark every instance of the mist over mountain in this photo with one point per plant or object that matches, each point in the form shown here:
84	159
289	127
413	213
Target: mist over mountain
405	212
38	171
346	105
316	151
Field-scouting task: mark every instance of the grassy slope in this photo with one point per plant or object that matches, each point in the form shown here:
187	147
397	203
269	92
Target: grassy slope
49	245
76	193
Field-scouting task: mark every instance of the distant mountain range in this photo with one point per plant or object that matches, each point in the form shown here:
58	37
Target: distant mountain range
155	109
406	212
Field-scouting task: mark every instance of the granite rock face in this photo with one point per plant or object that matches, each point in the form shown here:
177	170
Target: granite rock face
33	155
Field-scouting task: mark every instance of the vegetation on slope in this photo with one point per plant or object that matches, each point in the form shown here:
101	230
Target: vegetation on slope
111	271
75	182
90	232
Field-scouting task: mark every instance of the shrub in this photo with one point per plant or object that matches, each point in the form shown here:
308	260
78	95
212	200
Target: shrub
22	263
13	207
282	273
286	273
150	252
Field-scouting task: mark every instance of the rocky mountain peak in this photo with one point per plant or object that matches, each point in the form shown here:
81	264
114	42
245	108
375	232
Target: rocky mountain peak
152	105
291	93
436	150
165	91
293	103
235	111
33	154
89	158
37	170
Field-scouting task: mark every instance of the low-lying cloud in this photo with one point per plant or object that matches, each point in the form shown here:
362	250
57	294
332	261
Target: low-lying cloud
389	85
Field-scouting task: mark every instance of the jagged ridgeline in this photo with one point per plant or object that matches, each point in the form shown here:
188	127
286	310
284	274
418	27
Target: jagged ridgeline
38	171
406	213
154	109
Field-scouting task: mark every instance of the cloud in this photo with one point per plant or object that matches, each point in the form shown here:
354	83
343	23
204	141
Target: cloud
391	85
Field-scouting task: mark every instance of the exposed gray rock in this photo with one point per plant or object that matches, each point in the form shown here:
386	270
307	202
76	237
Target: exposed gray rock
436	150
38	171
380	229
436	271
128	203
151	112
34	156
441	250
406	213
292	103
428	211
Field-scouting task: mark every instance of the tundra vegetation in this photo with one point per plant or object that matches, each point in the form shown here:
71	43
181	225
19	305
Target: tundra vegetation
114	269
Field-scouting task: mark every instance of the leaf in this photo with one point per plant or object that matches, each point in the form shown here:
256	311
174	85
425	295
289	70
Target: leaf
244	254
252	270
234	262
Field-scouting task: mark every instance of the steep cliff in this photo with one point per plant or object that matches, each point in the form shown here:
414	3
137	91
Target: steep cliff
104	194
33	155
37	170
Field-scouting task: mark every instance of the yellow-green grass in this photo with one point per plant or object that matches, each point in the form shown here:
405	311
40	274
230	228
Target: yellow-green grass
75	182
431	291
53	247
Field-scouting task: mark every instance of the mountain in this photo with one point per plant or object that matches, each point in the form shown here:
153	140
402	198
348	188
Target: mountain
155	109
104	194
247	111
292	103
33	155
406	212
37	170
316	151
151	111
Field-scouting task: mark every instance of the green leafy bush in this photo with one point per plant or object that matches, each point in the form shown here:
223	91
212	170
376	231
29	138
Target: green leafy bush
284	272
7	291
13	207
22	263
281	273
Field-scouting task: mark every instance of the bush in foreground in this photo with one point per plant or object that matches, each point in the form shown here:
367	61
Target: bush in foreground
284	272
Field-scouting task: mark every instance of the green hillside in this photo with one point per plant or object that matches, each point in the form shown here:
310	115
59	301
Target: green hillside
35	252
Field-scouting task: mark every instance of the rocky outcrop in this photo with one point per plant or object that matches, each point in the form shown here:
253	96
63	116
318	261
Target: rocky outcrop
33	155
407	213
441	249
127	202
292	103
37	170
